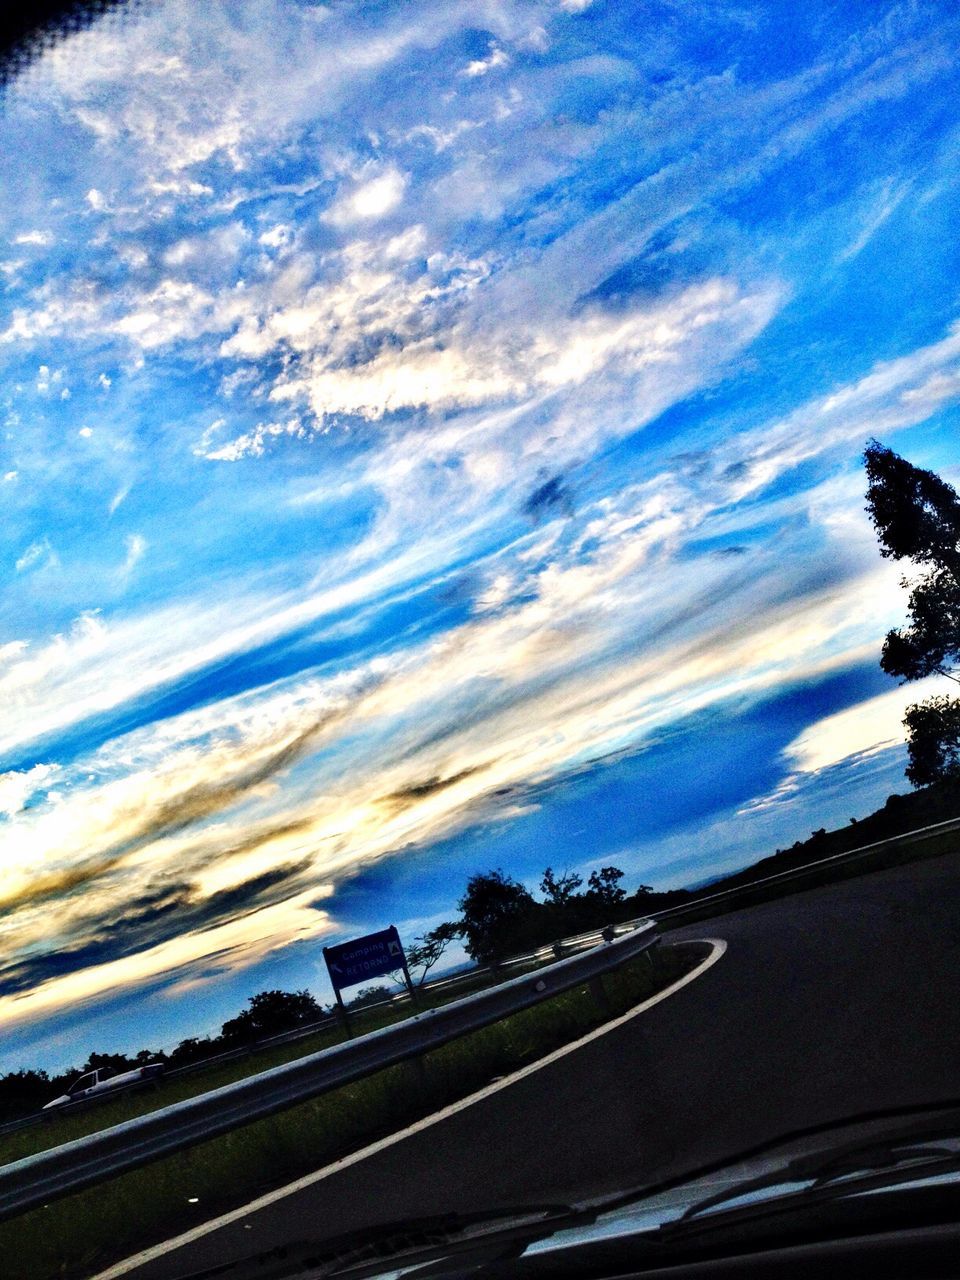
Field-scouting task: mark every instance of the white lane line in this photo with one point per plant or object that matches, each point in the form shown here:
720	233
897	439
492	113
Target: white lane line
717	948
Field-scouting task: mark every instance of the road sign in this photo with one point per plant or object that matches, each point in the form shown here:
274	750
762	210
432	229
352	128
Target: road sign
371	957
365	958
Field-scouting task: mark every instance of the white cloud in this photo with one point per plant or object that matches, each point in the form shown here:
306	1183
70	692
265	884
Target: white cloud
873	725
119	497
252	444
49	381
276	237
39	554
370	200
17	787
480	66
890	197
136	547
476	368
40	238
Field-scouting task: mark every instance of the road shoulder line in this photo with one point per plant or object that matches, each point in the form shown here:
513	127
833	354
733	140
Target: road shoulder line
717	947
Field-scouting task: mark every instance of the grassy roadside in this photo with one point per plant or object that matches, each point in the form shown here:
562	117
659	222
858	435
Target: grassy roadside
78	1235
65	1127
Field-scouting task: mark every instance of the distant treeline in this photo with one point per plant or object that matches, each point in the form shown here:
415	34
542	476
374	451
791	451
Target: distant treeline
269	1013
498	917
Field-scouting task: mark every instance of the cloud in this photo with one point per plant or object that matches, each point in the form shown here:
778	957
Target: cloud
49	382
253	444
369	200
17	787
136	547
477	368
481	66
245	940
889	198
430	738
39	555
157	917
873	725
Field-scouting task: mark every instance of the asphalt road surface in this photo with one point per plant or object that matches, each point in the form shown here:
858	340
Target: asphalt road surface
835	1001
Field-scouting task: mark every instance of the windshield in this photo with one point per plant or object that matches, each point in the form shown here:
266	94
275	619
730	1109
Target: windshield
481	556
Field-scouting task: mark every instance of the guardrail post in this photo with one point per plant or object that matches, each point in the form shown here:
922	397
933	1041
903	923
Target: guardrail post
599	993
342	1016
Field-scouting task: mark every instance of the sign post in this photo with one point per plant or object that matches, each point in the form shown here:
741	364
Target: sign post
372	956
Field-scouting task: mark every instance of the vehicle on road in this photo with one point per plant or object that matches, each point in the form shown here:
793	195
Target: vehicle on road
103	1080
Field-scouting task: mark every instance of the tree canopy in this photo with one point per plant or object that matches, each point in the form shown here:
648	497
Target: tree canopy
270	1013
917	517
915	513
426	950
558	890
933	727
491	907
605	884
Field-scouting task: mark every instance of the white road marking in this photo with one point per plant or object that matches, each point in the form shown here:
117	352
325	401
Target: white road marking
718	947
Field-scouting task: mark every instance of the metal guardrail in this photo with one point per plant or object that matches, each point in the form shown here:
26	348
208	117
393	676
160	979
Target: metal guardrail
469	976
33	1181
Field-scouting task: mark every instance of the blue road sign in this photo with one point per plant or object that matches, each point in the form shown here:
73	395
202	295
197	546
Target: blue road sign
363	958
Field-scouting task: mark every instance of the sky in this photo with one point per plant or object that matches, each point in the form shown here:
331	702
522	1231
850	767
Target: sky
432	442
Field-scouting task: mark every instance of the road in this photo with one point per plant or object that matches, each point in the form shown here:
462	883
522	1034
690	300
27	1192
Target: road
838	1000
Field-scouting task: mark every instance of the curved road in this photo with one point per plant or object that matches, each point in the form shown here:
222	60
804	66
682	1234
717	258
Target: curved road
838	1000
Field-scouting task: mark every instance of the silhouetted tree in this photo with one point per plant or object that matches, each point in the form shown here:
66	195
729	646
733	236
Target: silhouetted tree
370	995
933	728
424	952
558	890
605	884
491	910
270	1013
915	513
193	1049
24	1091
917	517
112	1063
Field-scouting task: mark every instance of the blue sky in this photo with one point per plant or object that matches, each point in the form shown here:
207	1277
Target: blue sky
432	441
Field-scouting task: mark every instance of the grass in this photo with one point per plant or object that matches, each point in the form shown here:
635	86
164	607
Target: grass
66	1126
78	1235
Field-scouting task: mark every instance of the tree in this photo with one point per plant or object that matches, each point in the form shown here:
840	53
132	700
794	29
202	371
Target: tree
917	517
492	909
915	513
270	1013
604	884
193	1049
933	727
111	1063
24	1091
425	951
558	890
370	995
